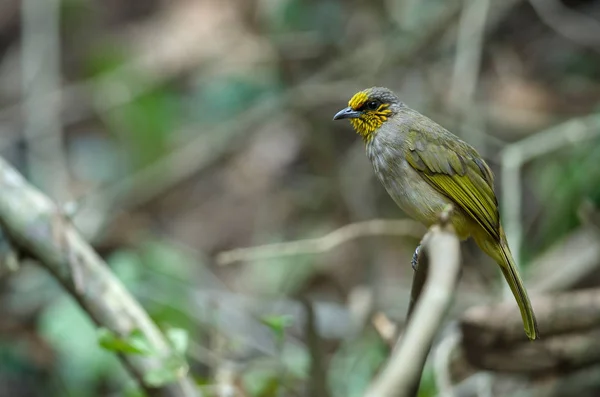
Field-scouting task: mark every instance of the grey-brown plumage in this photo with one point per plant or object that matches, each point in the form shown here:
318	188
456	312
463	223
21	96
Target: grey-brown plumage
424	168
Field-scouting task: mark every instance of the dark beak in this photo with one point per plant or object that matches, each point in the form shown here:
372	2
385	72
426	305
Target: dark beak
347	113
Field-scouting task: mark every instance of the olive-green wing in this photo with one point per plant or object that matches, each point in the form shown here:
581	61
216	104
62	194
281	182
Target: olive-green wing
457	171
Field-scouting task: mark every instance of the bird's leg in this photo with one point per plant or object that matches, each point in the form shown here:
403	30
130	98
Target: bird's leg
415	258
417	255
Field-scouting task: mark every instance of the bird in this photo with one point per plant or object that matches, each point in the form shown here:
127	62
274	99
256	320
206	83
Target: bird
425	168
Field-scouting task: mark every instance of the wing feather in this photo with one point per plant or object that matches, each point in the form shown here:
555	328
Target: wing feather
455	169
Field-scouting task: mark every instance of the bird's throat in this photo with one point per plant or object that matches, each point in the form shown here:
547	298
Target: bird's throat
367	127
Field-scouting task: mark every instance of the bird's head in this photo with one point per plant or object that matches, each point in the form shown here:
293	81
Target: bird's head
368	109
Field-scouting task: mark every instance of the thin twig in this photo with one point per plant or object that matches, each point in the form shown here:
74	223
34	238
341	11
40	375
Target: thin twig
401	374
376	227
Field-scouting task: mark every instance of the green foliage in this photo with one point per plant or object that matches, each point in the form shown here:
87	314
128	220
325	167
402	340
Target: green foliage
75	14
274	376
427	388
322	17
225	98
563	183
104	58
172	368
278	325
73	336
355	363
262	382
134	343
159	273
179	340
145	125
163	269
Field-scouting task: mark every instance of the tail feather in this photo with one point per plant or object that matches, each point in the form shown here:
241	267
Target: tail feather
513	279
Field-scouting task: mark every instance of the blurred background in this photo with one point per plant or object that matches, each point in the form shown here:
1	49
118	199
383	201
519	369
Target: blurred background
174	130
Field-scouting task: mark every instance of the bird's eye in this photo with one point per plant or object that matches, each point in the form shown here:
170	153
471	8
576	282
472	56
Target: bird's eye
372	105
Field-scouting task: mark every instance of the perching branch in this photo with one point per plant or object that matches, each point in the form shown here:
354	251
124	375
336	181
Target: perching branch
37	228
401	375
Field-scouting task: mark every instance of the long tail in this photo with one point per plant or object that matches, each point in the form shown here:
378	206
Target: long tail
509	269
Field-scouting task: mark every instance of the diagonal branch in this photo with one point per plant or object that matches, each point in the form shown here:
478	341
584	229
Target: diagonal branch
37	228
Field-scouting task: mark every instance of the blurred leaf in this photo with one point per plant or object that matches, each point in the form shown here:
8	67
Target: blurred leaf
224	98
167	260
83	364
75	14
259	382
179	339
135	343
427	388
173	368
159	273
168	278
267	375
145	124
128	267
354	365
323	17
105	57
277	324
133	391
296	360
562	183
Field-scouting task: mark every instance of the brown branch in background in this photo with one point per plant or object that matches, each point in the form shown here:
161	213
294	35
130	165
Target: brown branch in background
501	324
38	229
376	227
563	353
401	375
493	337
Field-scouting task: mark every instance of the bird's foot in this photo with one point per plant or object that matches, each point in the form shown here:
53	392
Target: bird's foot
415	258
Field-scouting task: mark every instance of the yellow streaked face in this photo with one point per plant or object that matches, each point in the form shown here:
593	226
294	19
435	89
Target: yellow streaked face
367	112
